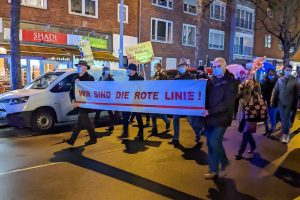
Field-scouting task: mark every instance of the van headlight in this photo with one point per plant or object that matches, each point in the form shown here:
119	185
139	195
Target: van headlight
18	100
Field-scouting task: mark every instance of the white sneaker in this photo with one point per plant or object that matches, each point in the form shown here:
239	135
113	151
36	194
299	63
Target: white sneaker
287	139
283	138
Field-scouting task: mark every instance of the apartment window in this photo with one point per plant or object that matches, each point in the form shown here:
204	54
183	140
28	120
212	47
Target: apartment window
163	3
218	10
161	30
189	35
171	63
190	7
125	13
216	39
243	45
34	3
245	18
88	8
268	41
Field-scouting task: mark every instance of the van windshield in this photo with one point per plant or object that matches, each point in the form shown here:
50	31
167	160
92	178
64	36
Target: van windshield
44	81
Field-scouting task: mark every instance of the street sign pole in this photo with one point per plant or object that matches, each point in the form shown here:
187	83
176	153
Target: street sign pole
121	34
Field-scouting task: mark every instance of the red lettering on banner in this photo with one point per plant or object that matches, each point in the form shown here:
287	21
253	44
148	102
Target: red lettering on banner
179	95
84	93
102	94
45	37
146	95
122	95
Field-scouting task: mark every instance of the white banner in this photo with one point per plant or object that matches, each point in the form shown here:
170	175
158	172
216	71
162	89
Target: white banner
176	97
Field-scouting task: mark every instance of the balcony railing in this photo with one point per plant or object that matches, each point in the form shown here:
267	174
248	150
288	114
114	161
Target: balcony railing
243	50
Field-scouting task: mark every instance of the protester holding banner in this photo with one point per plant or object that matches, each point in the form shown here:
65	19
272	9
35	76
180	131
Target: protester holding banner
220	100
106	76
159	75
183	74
133	76
83	121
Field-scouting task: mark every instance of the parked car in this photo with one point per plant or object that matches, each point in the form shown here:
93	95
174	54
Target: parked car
45	102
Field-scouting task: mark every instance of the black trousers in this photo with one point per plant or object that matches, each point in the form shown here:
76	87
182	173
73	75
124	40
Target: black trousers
126	117
247	138
83	123
112	117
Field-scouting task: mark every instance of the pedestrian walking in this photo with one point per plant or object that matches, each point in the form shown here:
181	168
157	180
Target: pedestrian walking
159	75
83	121
220	100
133	76
267	86
285	95
183	74
254	110
107	76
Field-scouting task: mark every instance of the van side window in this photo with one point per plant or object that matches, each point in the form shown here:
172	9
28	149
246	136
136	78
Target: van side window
64	85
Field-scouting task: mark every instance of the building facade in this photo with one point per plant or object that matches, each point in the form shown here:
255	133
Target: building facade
50	32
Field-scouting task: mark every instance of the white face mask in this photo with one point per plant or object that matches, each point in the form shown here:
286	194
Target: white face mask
287	73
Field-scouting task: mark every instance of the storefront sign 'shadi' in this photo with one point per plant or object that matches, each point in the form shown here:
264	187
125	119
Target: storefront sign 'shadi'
44	37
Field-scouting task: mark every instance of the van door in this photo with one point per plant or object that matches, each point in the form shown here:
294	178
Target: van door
63	106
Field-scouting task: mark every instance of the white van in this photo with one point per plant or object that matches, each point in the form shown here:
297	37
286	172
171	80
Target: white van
46	102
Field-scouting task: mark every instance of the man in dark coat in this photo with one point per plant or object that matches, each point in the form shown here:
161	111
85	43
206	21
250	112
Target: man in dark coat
106	76
220	100
133	76
201	74
83	121
267	86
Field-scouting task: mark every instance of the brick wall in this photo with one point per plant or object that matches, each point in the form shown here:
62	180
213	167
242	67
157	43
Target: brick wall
57	14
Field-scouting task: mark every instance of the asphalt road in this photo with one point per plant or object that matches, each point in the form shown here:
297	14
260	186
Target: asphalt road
41	166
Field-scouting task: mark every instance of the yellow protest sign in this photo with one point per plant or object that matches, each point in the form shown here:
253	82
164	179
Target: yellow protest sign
141	53
85	49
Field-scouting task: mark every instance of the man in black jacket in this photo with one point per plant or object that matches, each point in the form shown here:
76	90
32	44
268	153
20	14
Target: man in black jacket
83	121
220	99
133	76
267	86
106	76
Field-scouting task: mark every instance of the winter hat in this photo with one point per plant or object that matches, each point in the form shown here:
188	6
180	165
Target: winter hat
132	67
182	62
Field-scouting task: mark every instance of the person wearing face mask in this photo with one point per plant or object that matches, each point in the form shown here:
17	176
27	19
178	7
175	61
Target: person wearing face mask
106	76
221	92
267	86
83	121
133	76
183	74
285	95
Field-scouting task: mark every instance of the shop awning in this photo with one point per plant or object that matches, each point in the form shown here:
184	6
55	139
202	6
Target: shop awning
49	52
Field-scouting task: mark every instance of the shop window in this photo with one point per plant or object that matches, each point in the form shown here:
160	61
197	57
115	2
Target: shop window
190	7
189	35
161	30
163	3
125	13
88	8
153	63
33	3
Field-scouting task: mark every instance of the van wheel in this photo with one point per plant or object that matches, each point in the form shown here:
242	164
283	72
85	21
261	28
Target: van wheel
42	120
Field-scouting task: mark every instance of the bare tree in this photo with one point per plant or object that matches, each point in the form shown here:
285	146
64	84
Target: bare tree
15	67
280	18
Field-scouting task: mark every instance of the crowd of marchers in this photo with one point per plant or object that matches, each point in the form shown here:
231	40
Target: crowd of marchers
272	100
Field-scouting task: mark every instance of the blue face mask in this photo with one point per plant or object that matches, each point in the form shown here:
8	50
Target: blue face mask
106	72
218	71
181	70
271	77
79	70
287	73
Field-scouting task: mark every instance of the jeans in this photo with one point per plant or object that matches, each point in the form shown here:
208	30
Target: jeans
162	116
176	124
216	151
272	111
83	122
247	138
197	124
286	118
126	116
